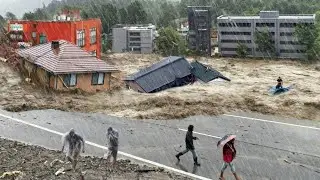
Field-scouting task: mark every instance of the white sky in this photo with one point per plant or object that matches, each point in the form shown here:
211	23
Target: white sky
19	7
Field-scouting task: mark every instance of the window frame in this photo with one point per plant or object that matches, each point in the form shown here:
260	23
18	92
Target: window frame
81	34
41	36
68	82
34	35
97	73
93	35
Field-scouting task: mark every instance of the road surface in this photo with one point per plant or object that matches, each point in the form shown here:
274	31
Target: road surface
268	147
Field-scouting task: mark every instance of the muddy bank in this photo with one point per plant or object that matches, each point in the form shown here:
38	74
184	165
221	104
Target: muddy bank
247	91
32	162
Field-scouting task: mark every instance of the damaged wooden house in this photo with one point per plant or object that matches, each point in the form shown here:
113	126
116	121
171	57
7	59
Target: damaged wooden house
61	65
171	72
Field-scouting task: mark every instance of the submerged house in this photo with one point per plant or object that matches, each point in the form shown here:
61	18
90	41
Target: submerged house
205	73
61	65
171	72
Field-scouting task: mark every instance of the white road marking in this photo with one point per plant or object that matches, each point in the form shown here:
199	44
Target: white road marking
275	122
217	137
104	147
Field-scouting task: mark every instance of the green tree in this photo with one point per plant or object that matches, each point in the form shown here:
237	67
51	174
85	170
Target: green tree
2	23
123	16
28	16
38	14
168	15
136	12
308	35
170	42
105	11
318	18
11	16
242	50
265	44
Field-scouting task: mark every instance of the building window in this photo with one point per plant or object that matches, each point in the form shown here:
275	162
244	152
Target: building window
80	38
93	35
290	42
243	24
236	33
249	50
265	24
135	39
135	44
286	34
234	24
70	80
235	41
43	38
292	51
97	79
134	33
288	25
34	35
136	49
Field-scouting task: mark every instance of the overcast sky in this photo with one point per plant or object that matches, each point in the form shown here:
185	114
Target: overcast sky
19	7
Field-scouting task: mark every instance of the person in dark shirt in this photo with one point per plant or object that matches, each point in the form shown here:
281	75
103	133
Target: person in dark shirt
229	153
189	146
279	85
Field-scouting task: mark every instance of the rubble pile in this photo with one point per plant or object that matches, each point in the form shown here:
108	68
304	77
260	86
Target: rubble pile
22	161
7	52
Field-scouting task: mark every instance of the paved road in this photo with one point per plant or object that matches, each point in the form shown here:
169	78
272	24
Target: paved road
266	150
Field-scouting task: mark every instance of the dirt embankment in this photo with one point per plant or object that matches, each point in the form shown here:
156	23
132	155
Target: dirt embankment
247	91
31	162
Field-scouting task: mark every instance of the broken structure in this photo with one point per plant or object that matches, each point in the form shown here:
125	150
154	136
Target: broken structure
206	73
170	72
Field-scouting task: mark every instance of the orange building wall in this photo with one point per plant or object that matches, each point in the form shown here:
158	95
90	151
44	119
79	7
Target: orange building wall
84	83
62	30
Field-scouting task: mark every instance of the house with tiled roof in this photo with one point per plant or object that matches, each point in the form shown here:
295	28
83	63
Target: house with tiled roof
62	65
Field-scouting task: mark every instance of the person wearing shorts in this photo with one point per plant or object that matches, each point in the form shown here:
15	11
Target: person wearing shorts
229	153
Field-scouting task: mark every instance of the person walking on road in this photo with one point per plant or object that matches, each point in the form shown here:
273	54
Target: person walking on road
75	143
113	142
189	146
229	153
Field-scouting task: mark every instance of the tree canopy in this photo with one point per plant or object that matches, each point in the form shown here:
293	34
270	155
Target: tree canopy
11	16
170	43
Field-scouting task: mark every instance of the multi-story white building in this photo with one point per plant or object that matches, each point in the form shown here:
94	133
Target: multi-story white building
233	30
139	39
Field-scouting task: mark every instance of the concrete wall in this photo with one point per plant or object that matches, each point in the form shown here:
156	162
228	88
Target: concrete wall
242	30
124	41
119	40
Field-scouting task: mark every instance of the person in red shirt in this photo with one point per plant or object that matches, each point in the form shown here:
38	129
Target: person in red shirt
229	153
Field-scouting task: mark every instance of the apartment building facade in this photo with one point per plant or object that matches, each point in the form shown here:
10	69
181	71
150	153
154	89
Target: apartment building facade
138	39
199	35
83	33
233	30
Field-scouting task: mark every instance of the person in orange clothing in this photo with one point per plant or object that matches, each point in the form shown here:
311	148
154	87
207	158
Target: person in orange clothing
229	153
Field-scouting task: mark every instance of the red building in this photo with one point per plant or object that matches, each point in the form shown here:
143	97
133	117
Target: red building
83	33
